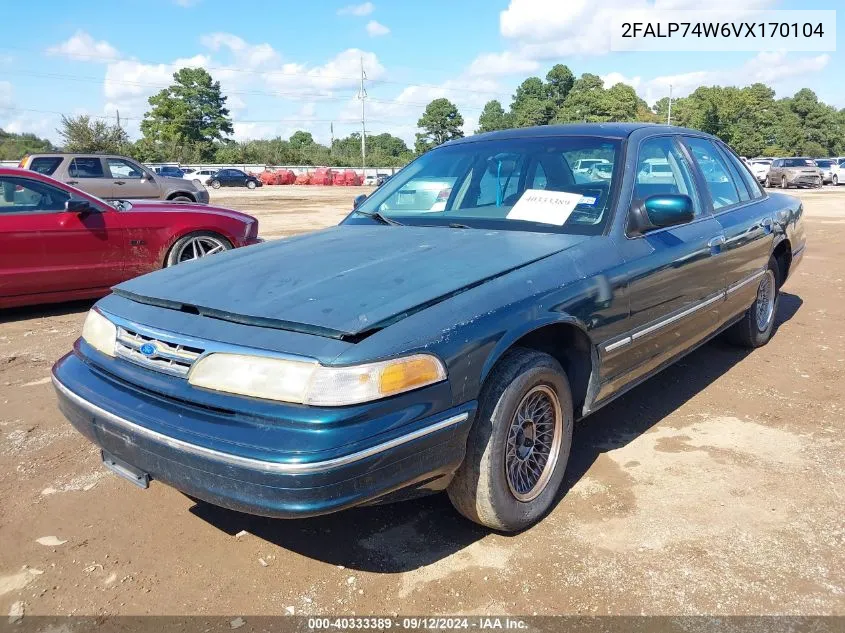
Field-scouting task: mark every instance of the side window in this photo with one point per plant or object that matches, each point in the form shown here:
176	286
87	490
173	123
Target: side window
21	195
663	169
539	181
86	167
745	173
120	168
717	176
45	164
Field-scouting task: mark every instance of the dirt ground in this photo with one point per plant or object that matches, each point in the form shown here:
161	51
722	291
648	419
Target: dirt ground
714	488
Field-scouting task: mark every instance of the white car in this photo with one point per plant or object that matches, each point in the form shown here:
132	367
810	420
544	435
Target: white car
199	176
760	168
584	165
838	172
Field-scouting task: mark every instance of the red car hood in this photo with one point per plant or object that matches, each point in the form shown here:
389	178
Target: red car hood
185	207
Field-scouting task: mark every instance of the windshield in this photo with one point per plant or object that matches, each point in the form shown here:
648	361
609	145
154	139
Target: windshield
506	184
824	163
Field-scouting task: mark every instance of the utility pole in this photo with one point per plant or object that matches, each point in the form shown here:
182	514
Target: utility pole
362	95
331	131
669	116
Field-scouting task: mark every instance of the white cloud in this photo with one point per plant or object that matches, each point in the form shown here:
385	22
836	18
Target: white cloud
613	78
772	69
82	46
504	63
343	71
374	29
365	8
249	55
541	30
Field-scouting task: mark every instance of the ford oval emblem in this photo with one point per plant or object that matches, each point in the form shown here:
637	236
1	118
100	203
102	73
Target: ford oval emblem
148	349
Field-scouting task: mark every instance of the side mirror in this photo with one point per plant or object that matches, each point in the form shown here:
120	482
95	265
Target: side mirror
358	201
659	212
81	207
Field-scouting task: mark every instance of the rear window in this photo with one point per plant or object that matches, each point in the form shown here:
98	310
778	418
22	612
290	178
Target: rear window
45	164
86	168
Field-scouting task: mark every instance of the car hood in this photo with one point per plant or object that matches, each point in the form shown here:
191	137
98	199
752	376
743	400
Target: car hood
164	206
344	281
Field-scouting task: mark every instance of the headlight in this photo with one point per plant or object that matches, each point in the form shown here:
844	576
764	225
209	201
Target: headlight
99	332
304	382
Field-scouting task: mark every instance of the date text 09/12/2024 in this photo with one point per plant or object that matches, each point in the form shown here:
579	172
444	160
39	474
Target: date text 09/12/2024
487	623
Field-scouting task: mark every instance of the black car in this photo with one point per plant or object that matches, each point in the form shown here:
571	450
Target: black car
233	178
382	178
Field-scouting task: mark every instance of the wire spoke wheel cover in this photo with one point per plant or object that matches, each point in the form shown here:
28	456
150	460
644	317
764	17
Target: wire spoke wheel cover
765	301
533	443
199	247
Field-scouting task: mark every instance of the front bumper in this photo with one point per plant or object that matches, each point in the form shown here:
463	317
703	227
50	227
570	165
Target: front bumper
805	181
131	425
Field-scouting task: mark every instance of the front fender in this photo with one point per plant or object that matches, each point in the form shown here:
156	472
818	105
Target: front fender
523	329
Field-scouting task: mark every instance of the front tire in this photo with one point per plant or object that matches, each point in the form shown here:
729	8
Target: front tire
250	184
757	324
519	444
783	183
767	183
196	246
835	180
215	184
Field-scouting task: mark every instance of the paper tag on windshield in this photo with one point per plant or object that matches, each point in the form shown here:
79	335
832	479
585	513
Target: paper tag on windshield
548	207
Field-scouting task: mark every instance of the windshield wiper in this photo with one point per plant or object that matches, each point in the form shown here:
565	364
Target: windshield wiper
378	217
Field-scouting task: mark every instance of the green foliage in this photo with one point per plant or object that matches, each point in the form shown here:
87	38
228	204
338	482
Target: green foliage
16	146
84	134
440	122
559	81
191	113
493	118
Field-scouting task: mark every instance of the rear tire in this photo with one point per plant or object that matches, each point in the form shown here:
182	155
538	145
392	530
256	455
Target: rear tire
181	199
835	180
757	324
767	182
523	427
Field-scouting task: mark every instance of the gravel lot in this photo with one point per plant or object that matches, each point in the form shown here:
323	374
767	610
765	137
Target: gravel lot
716	487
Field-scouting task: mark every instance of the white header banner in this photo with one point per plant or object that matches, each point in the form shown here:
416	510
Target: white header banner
724	30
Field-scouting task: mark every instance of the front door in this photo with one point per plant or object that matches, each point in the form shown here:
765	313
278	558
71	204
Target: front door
131	181
53	250
673	285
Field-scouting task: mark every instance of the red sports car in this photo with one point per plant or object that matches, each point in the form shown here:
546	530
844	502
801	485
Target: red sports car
58	243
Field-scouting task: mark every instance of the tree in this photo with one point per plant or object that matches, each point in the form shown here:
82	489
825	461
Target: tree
191	112
531	104
440	122
16	146
559	81
493	118
300	139
84	134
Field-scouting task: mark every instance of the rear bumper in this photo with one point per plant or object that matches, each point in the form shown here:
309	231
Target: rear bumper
202	196
424	457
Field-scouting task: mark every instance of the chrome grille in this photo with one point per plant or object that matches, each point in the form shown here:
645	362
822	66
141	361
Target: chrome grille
167	357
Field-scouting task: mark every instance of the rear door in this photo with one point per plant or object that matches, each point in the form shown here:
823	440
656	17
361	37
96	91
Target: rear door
740	207
89	174
674	286
48	249
130	180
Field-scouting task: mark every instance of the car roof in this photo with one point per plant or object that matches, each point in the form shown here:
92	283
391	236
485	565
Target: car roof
609	130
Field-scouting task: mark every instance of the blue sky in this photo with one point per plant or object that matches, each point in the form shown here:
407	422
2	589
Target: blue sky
294	65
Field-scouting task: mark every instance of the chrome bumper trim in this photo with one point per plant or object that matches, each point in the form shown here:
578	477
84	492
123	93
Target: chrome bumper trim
249	462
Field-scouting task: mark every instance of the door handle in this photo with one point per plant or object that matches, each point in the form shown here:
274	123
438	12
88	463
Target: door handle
717	241
72	182
119	182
